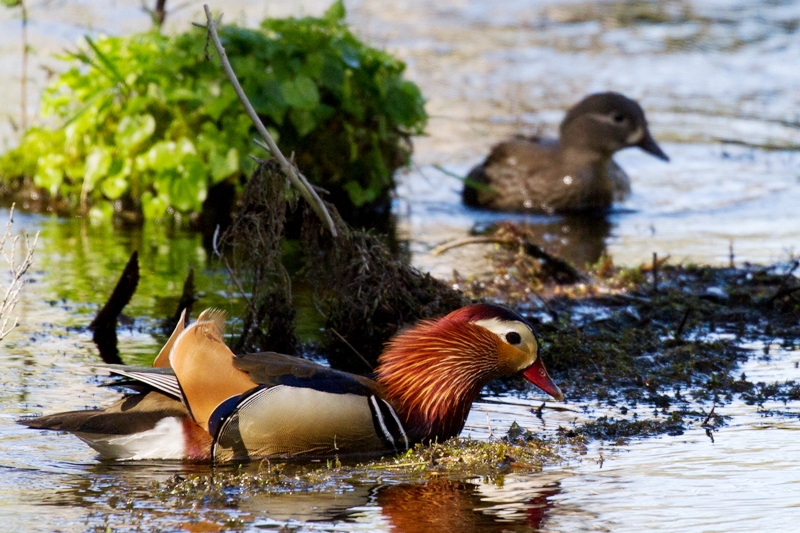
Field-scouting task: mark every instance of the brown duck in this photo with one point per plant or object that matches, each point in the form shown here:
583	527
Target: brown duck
573	173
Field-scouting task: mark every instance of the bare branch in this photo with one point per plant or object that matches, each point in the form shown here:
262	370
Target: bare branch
297	179
17	273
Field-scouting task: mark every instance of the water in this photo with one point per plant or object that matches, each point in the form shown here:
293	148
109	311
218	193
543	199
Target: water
718	81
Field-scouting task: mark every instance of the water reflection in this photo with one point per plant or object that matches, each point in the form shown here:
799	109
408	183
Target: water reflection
464	506
128	495
579	239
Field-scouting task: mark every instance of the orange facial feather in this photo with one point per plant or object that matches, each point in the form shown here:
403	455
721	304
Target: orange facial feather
434	371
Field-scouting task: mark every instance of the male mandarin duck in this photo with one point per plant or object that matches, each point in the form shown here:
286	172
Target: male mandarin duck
575	172
202	402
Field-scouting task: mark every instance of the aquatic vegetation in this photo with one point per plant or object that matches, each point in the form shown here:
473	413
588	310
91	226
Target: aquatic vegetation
145	126
455	458
657	335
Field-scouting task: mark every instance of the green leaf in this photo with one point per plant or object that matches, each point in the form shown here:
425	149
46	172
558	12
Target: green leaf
300	93
114	187
359	195
134	130
98	163
303	121
161	156
188	192
336	12
216	106
332	76
49	174
350	55
223	166
153	207
107	62
404	103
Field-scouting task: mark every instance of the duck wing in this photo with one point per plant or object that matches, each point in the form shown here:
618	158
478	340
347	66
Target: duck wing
146	425
303	409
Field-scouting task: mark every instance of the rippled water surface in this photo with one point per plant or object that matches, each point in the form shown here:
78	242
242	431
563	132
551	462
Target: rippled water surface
719	83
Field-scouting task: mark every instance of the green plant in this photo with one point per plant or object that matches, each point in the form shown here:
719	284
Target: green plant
146	124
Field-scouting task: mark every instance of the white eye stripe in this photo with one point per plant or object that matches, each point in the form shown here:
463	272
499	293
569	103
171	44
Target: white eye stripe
502	328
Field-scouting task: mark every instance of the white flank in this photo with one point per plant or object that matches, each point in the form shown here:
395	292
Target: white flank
164	441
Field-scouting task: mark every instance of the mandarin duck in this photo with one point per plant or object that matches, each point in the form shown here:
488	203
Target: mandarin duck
202	402
571	174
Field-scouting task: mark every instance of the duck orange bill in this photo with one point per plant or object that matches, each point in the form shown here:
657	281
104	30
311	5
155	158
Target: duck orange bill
537	374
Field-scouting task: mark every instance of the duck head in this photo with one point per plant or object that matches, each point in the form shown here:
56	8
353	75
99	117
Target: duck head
434	371
607	122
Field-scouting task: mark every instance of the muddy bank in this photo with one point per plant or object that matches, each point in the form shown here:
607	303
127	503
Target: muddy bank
668	337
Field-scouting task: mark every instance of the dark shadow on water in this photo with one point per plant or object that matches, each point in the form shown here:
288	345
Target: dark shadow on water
578	239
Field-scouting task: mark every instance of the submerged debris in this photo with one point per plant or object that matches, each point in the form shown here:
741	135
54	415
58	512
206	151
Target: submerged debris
104	325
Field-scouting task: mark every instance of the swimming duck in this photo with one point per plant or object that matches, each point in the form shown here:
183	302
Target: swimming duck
201	402
573	173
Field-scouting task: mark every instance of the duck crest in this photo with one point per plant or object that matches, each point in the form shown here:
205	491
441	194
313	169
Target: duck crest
213	317
204	366
433	372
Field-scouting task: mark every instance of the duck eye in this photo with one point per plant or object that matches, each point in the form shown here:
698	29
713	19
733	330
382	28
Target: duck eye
513	337
619	118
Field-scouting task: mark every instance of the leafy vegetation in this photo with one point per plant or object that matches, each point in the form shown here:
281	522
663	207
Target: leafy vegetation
146	125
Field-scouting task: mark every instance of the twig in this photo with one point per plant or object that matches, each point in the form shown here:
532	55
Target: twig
683	323
555	265
471	240
265	147
231	272
489	423
363	359
297	178
538	412
24	78
730	254
710	414
399	465
782	293
782	290
17	280
655	272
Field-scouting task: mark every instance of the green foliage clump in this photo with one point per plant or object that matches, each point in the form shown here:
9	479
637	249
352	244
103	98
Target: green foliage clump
147	124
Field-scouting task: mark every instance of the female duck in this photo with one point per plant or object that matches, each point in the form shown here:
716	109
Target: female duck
201	402
574	173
